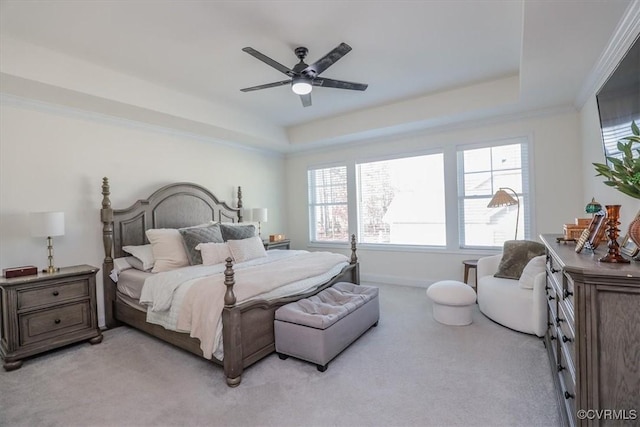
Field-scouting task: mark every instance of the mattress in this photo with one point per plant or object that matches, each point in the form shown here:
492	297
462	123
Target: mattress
131	281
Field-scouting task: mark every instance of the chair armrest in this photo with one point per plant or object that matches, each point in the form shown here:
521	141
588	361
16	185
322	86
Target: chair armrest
488	266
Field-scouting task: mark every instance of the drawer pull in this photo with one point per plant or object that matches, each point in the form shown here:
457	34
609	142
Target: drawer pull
568	395
565	339
567	294
57	321
560	368
553	270
546	287
558	320
56	293
552	337
551	298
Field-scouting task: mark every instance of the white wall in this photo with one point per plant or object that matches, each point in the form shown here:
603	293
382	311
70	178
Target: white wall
592	151
53	158
557	189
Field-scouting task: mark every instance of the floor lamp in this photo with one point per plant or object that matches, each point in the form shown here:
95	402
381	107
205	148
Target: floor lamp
502	198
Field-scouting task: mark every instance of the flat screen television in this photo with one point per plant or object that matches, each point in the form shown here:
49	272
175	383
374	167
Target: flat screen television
619	101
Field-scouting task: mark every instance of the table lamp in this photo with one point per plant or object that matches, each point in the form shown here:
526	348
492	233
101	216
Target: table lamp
259	215
47	224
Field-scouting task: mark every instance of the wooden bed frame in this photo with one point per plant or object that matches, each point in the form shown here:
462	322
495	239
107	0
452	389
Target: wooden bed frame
247	327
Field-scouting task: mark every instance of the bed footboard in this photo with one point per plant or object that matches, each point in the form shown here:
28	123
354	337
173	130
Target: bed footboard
247	329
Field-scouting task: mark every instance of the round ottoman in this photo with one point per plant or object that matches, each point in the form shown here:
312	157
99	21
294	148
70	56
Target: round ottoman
452	302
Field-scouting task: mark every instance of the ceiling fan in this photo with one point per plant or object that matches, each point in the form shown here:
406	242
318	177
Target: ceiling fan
303	76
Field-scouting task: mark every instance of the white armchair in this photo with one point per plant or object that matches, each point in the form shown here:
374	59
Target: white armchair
507	303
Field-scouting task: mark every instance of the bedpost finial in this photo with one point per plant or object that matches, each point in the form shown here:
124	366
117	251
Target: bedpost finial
354	257
229	281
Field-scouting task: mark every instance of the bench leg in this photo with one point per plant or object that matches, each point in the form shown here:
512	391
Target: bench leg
282	356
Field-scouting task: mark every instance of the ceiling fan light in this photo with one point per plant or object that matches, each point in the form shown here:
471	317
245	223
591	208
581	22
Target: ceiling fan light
301	86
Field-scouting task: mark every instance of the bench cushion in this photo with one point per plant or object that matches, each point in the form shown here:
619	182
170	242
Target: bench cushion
327	307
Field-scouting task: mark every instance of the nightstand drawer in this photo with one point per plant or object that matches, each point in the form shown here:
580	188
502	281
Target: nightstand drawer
47	324
52	294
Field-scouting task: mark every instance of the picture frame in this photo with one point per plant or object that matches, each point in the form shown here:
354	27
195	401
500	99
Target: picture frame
628	247
596	229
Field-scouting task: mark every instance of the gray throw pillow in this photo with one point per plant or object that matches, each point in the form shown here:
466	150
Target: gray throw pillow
192	237
237	232
516	254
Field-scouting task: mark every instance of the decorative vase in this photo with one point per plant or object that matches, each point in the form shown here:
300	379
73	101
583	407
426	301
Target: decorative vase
613	215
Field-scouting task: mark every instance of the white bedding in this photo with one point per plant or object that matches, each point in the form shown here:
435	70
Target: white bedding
165	292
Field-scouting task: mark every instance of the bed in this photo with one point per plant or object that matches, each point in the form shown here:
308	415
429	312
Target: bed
247	327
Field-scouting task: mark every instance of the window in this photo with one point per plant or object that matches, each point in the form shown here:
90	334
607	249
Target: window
481	172
437	199
328	211
401	201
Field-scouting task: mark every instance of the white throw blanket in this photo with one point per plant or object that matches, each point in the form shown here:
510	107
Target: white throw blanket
203	300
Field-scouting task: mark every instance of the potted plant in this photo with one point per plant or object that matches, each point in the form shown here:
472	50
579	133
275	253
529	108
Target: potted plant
624	173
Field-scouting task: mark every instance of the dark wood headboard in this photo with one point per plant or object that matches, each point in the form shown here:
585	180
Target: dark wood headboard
173	206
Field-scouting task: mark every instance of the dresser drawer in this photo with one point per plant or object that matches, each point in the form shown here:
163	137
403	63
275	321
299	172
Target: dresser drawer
566	338
567	295
567	387
46	324
52	293
554	273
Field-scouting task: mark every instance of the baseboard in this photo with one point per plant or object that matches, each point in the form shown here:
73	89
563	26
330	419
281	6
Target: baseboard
395	280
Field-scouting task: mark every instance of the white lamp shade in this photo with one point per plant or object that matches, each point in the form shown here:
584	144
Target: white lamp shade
247	215
46	224
259	214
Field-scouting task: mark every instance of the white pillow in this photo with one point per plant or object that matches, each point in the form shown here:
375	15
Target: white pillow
119	265
247	249
144	253
534	267
213	253
168	249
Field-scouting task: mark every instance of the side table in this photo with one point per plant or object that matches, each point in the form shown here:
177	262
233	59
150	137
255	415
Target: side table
468	265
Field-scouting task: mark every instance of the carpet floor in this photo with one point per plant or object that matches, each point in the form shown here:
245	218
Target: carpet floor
408	371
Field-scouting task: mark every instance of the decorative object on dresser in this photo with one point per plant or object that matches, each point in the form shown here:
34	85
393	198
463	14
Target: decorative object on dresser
613	255
502	198
276	237
25	270
596	230
47	311
47	224
634	230
259	215
593	333
247	322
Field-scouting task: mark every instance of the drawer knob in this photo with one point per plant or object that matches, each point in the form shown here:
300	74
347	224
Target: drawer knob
568	395
56	293
57	321
560	368
558	320
553	270
551	298
566	339
567	294
552	337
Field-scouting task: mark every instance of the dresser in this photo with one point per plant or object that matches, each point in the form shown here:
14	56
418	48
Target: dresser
280	244
47	311
593	339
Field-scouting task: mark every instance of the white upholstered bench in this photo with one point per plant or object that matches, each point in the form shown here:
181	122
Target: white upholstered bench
318	328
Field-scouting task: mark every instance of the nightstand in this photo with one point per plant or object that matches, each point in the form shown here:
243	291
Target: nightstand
47	311
281	244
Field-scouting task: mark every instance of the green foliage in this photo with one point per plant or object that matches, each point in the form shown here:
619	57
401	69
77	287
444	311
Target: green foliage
624	174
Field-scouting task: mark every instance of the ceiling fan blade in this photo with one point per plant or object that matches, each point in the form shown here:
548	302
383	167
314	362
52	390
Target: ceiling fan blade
266	86
306	100
329	59
278	66
339	84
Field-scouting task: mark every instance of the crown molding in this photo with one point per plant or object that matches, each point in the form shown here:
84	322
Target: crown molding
626	33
